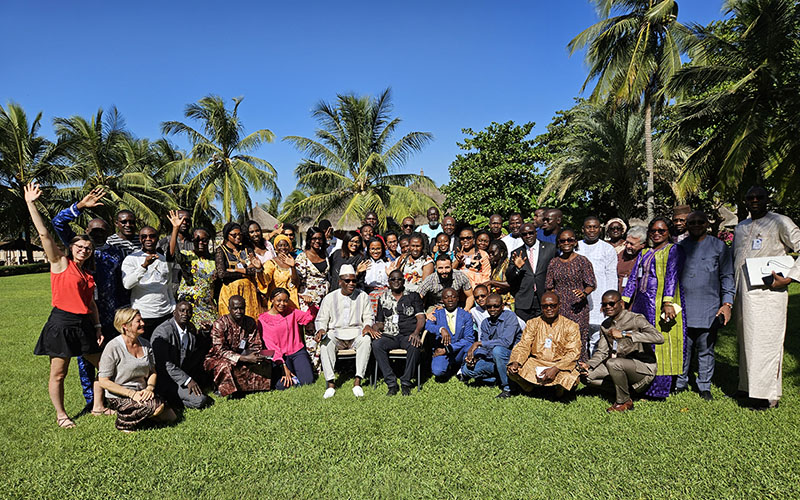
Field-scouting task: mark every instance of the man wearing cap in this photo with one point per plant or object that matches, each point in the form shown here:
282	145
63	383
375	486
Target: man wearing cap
345	321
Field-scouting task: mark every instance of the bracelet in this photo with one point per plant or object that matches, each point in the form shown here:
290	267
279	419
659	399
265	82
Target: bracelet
98	325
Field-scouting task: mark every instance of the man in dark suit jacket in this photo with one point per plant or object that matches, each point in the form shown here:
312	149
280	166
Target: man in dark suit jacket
527	285
454	335
179	354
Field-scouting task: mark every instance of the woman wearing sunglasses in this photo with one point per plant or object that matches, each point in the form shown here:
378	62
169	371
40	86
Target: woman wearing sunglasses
239	270
654	291
571	277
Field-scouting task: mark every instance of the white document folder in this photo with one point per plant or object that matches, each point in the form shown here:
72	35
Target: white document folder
758	267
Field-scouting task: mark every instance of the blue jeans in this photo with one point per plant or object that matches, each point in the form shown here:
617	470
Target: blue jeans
702	341
491	370
442	366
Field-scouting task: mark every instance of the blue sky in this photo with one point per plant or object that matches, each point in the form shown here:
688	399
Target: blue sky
451	65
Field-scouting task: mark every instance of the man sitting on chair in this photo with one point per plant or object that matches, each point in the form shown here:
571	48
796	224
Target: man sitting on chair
454	334
400	320
345	321
548	352
624	353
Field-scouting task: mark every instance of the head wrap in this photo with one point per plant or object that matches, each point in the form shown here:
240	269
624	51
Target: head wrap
617	219
282	237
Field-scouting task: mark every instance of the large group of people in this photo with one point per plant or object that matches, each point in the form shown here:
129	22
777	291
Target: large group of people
534	310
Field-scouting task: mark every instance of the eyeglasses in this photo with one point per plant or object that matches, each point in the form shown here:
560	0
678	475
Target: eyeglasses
126	222
527	233
567	240
658	230
317	238
609	304
83	249
235	235
348	280
148	236
408	225
549	306
396	279
467	238
481	296
493	306
696	223
755	197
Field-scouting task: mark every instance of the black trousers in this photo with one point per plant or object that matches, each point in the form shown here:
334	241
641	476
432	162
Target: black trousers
150	325
527	314
381	348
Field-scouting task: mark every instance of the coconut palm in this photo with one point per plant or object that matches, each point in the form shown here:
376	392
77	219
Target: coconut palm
632	55
352	167
746	99
219	163
24	156
100	152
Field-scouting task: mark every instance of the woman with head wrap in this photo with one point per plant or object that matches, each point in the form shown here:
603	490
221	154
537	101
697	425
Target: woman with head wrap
615	234
280	272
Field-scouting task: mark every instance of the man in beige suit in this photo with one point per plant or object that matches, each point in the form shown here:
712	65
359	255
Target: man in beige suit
624	353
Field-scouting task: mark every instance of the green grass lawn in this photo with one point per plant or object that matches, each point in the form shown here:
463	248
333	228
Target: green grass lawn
448	441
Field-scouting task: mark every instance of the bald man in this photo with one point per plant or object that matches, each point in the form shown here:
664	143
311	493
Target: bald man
551	225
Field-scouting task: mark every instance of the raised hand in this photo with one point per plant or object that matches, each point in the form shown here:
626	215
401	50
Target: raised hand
363	266
175	219
32	192
519	260
92	199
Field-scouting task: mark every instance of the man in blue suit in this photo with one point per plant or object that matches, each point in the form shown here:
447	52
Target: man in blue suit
453	332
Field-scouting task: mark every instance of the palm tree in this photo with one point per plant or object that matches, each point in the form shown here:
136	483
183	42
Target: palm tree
633	55
351	165
24	156
219	164
100	152
746	99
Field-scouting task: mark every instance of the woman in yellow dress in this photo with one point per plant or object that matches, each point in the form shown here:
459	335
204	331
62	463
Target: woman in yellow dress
239	271
280	272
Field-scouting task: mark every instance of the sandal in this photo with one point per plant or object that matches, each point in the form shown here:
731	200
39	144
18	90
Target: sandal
65	423
104	411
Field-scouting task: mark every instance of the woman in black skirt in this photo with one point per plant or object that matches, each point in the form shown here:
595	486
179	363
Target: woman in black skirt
73	328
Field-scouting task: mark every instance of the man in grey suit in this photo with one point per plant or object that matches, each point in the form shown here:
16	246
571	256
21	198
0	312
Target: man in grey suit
179	354
527	272
708	289
624	352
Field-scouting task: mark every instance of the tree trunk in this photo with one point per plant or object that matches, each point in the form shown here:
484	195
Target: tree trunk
28	247
648	155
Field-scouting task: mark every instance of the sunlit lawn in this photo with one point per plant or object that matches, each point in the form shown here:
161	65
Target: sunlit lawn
447	441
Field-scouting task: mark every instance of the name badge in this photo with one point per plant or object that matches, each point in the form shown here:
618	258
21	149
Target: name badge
548	343
757	243
624	281
242	345
396	318
239	265
640	272
96	295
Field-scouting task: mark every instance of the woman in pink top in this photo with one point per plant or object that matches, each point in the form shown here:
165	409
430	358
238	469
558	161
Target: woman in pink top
280	329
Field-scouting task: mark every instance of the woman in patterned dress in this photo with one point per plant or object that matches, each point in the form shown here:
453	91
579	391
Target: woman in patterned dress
376	278
280	272
416	264
498	258
239	270
312	273
198	270
470	260
571	277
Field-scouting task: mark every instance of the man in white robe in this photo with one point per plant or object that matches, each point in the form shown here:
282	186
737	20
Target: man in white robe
604	263
761	309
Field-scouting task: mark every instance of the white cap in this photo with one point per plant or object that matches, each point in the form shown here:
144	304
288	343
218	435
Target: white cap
346	269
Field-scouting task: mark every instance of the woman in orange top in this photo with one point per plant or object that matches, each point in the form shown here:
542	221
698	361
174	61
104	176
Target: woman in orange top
73	328
471	261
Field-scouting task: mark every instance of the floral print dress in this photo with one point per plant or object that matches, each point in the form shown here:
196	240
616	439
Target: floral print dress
197	286
313	283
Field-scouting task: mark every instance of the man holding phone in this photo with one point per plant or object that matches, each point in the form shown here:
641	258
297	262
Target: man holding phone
708	289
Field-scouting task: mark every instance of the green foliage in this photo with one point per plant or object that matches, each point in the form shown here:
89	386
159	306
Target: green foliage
449	440
742	99
632	54
497	174
219	165
351	165
39	267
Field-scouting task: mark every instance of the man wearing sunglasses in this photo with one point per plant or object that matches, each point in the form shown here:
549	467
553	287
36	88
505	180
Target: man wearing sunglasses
527	272
408	225
761	307
624	352
345	321
707	280
548	351
148	275
126	238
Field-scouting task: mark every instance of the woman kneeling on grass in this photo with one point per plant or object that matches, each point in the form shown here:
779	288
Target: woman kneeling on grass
68	331
128	374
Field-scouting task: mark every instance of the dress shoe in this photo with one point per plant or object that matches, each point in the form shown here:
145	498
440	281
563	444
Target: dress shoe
358	391
406	390
679	390
329	392
392	390
706	395
503	395
621	407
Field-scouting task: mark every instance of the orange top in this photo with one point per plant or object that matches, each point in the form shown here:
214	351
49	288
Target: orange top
72	289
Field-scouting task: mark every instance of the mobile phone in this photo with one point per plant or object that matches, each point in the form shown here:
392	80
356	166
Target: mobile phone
770	279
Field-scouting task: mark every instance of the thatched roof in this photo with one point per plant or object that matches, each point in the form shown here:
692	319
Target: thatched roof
264	218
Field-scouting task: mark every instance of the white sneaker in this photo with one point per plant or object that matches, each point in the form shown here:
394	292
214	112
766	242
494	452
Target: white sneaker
358	391
329	392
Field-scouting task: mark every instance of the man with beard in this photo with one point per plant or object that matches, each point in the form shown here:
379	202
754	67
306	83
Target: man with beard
432	228
453	335
604	263
513	239
445	276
